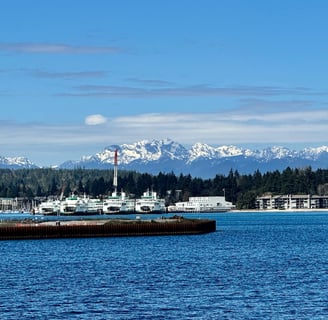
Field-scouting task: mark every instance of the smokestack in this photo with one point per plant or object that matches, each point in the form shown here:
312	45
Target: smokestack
115	172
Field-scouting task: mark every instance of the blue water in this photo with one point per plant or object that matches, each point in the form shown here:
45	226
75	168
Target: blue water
256	266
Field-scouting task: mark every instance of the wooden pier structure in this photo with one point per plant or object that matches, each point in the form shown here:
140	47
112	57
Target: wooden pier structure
108	228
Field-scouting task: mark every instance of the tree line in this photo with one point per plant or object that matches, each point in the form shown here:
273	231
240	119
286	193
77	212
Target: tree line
241	190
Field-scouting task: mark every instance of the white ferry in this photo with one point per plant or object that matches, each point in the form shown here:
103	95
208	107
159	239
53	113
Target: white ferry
73	205
150	203
203	204
118	203
49	207
94	206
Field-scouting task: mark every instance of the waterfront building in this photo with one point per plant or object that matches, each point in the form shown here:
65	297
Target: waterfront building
291	202
203	204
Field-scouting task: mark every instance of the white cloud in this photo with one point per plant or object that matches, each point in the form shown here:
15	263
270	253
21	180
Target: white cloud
95	119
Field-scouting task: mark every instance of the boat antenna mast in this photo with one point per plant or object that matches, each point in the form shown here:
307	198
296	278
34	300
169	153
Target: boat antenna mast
115	172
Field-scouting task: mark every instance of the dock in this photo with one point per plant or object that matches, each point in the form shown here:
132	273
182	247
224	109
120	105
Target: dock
106	228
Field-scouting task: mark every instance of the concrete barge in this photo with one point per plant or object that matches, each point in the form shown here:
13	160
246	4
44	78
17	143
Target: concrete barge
106	228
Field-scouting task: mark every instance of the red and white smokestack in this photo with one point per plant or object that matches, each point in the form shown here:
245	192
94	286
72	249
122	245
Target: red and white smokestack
115	158
115	172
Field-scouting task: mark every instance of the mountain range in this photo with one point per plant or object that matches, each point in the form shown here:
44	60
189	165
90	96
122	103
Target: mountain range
16	163
201	160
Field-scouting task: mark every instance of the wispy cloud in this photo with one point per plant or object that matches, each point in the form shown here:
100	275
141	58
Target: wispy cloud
175	91
67	75
55	48
262	105
4	92
151	82
232	126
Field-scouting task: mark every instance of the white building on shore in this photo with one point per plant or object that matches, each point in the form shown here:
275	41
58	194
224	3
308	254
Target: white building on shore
291	202
202	204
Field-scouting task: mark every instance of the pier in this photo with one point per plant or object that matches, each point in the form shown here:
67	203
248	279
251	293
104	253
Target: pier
106	228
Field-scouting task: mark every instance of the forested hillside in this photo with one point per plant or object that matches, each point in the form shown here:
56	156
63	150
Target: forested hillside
242	190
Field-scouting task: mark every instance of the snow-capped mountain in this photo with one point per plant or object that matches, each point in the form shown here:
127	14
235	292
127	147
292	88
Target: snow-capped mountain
201	159
314	153
16	163
145	151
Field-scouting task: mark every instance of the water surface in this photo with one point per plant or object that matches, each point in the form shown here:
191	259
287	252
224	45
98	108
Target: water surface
257	265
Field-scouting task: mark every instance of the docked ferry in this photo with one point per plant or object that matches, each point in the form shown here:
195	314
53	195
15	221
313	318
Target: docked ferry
150	203
72	205
118	203
49	207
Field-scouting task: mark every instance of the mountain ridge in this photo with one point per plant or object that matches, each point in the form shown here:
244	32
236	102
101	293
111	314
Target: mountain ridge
201	159
16	163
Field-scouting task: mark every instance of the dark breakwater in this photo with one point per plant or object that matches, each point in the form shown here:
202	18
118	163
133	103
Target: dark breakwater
107	229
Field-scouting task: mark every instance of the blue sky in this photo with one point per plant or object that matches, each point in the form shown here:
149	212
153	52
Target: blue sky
77	76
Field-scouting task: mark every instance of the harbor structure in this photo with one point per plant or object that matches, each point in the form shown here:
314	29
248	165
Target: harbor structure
14	204
106	228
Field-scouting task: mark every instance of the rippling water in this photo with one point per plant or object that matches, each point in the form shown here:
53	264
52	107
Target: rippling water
256	266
